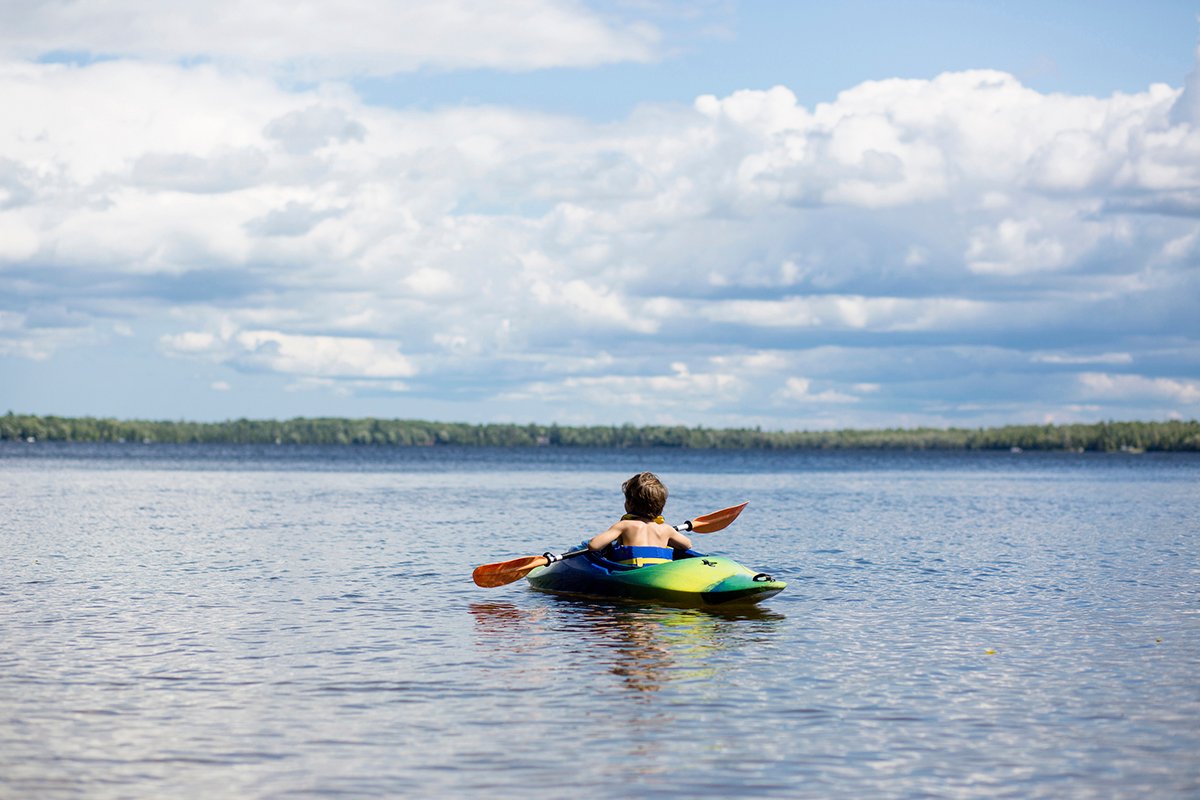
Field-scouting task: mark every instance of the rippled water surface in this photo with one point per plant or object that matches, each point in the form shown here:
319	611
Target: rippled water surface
279	622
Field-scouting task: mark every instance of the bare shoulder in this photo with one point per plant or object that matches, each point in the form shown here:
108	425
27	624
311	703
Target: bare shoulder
664	533
673	538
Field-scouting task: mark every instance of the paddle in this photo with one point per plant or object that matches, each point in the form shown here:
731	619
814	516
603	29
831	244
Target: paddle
504	572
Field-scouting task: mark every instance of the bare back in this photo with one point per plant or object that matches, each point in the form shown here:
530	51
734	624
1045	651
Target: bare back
640	533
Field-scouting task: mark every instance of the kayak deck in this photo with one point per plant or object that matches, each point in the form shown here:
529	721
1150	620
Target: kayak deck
691	579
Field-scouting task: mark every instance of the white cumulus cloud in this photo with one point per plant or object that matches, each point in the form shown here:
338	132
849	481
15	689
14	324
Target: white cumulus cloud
296	354
370	37
1102	385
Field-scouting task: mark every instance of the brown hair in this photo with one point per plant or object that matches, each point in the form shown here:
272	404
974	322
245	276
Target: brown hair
645	495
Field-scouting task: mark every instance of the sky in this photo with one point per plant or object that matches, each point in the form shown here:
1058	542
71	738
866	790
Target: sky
795	215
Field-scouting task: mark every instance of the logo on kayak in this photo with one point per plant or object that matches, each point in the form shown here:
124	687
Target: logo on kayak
708	563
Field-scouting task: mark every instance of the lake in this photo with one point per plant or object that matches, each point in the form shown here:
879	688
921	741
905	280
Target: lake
209	621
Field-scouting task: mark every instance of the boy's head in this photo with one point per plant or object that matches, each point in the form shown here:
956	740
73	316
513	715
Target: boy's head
645	495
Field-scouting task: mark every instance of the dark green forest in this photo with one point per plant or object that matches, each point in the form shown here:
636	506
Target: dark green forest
1101	436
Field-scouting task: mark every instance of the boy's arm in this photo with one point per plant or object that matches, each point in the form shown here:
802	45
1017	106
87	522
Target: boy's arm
678	540
603	540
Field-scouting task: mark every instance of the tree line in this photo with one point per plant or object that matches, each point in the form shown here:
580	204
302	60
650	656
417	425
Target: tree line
1100	436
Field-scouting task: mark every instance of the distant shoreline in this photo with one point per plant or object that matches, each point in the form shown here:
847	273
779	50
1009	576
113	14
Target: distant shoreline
1172	436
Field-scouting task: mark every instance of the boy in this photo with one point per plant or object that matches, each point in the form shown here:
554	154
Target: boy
641	537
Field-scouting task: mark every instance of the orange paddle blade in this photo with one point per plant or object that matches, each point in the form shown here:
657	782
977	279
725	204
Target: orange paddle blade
491	575
717	520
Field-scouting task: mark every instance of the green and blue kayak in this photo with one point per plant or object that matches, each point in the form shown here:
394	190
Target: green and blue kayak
691	579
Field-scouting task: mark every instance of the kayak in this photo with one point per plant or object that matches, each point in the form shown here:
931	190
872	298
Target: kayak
692	579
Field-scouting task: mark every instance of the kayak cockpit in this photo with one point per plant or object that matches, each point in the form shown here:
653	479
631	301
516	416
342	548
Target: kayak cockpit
603	559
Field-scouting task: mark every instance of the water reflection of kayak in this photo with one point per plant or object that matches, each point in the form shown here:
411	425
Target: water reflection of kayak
691	579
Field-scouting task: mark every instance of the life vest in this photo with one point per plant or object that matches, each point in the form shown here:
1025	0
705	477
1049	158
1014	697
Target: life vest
657	519
639	556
